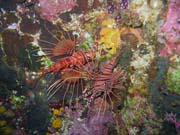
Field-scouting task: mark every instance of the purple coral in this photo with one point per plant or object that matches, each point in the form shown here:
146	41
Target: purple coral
111	8
172	118
171	28
118	17
94	125
49	9
123	4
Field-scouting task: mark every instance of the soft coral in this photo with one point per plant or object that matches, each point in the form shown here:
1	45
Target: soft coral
171	28
49	9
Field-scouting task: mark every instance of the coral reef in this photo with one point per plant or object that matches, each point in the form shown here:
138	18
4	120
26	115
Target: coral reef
77	67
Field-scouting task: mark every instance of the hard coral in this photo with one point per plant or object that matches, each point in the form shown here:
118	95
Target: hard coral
50	9
171	28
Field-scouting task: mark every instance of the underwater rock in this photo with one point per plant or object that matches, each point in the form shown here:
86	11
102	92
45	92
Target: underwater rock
139	117
83	5
19	132
11	47
20	50
8	7
125	56
96	3
8	19
148	11
38	117
29	25
131	19
8	77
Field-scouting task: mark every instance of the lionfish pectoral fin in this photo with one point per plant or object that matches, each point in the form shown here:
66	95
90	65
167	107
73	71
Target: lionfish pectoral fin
64	47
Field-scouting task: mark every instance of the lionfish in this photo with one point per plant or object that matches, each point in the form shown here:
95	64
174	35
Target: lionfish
105	82
69	67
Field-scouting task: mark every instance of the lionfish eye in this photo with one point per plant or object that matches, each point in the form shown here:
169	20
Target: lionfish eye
88	55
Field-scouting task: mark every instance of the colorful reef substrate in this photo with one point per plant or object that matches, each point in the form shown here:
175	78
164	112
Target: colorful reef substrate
89	67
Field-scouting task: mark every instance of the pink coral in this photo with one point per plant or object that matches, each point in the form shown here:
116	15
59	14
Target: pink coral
49	9
171	28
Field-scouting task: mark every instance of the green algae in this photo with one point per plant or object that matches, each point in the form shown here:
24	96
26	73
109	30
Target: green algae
173	81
